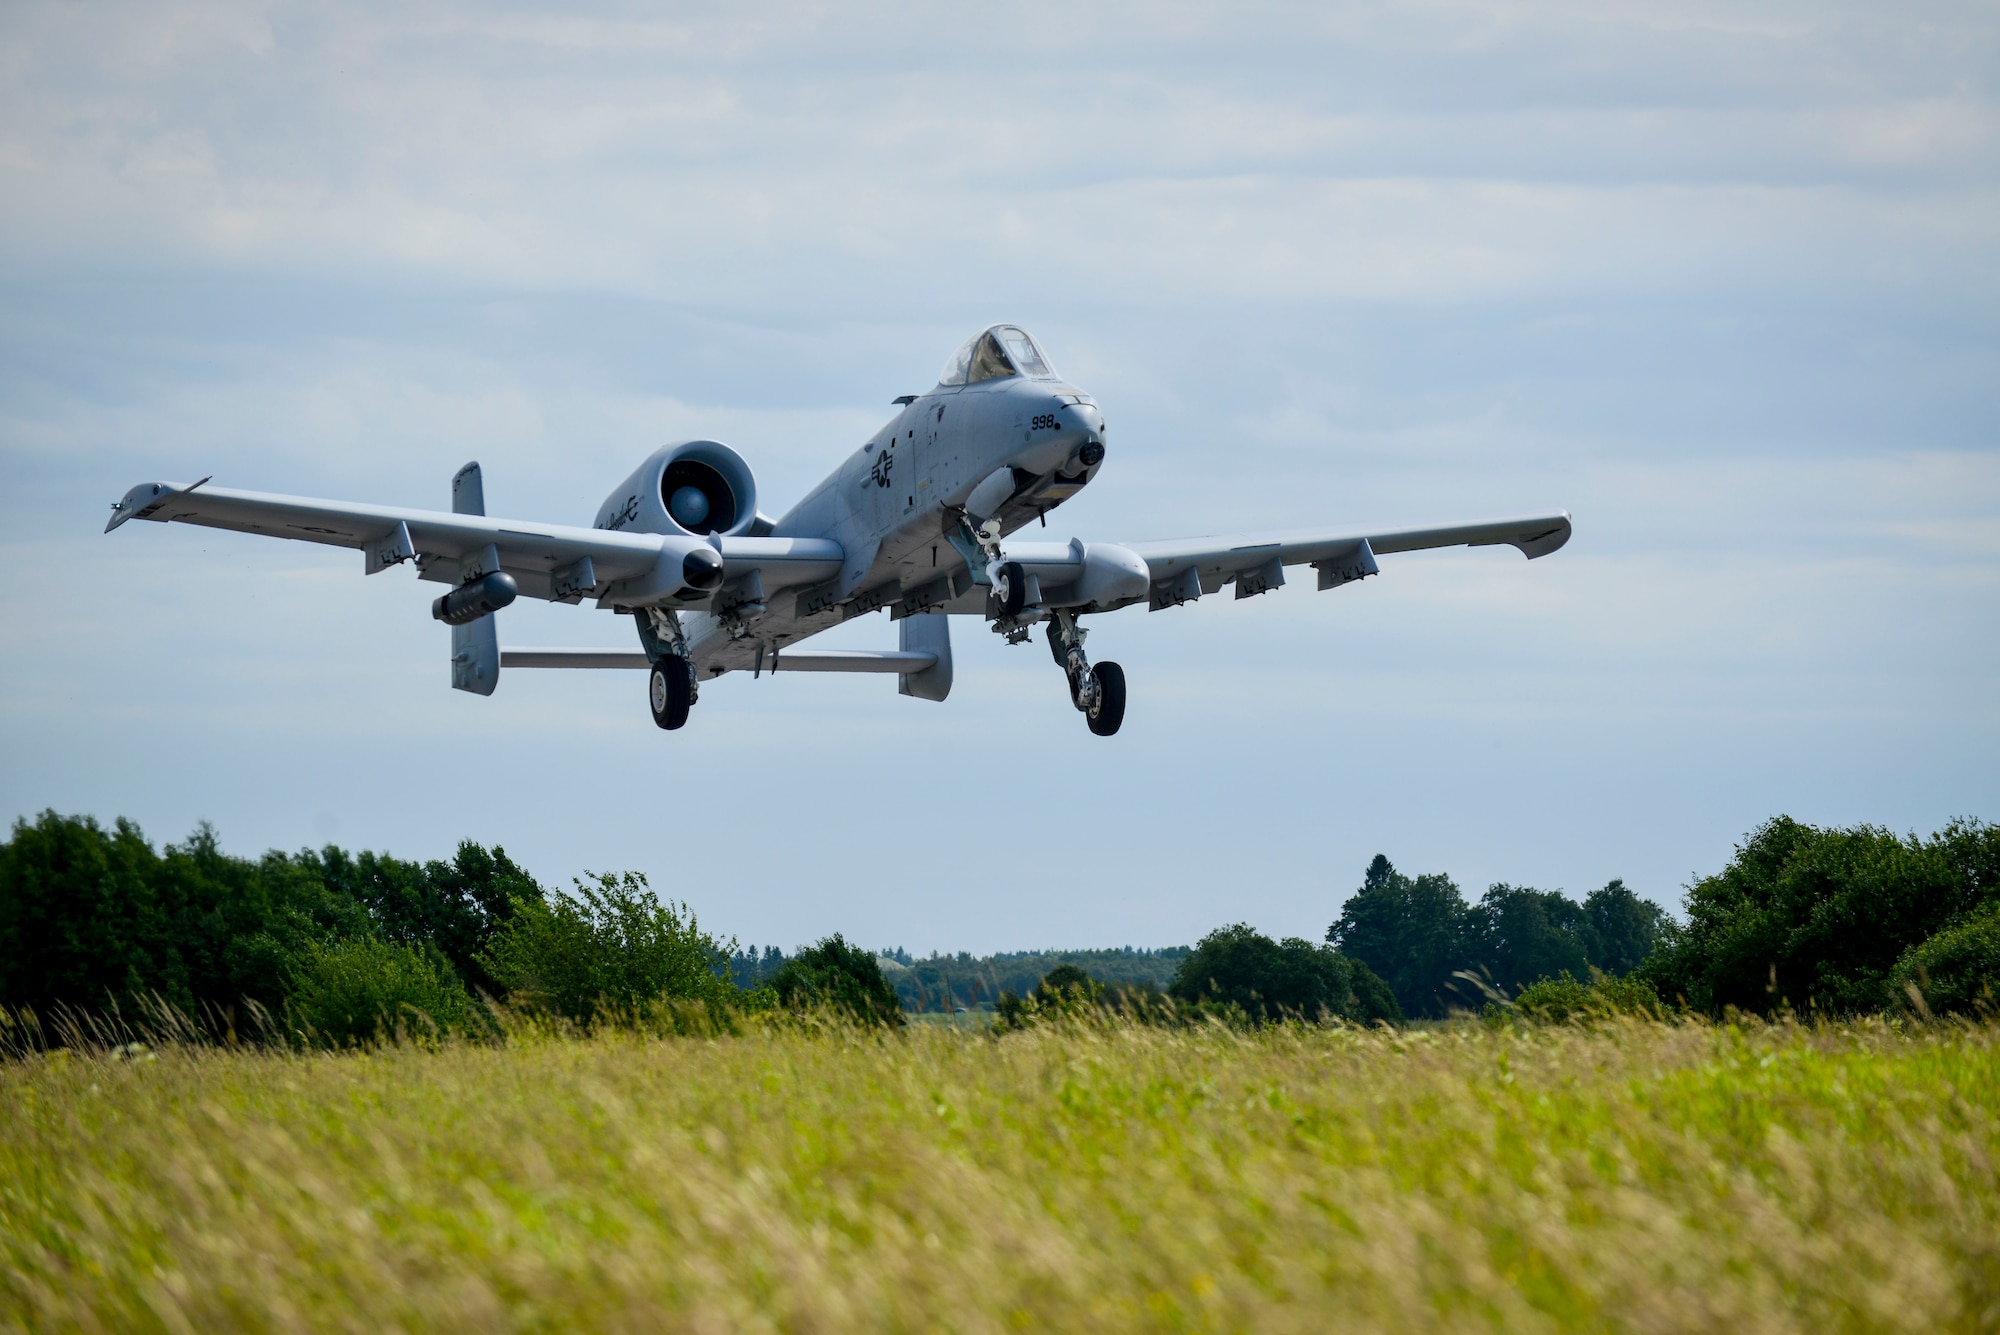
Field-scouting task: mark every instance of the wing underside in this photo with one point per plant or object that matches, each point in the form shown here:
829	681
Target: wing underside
1186	568
558	562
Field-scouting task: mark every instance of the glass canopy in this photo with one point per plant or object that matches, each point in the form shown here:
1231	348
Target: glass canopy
1002	351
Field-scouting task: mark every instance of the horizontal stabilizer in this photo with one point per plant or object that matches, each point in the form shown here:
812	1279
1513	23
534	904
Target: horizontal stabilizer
899	662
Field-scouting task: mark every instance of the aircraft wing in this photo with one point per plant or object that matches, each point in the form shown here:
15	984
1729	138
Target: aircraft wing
553	561
1185	568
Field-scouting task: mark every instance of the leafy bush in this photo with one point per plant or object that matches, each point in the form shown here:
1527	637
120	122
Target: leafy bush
1239	966
1820	918
1958	970
1564	998
360	990
1064	990
838	976
1066	982
613	946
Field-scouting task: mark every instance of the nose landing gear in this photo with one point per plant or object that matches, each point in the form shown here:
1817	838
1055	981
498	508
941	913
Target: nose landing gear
1097	692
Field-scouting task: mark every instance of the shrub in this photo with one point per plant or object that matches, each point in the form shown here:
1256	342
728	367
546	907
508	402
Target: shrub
1958	970
1239	966
613	946
841	977
361	990
1564	998
1065	990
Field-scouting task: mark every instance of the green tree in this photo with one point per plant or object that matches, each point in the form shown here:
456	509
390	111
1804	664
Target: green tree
613	945
1820	917
1237	965
449	908
836	975
1624	928
90	916
1411	932
1516	935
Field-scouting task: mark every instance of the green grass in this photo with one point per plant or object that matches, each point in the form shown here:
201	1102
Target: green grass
1631	1176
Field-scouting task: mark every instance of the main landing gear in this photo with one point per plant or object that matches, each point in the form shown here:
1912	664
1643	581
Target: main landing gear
1098	692
670	687
671	691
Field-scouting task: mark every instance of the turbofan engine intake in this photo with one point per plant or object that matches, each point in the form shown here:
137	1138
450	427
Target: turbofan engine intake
693	488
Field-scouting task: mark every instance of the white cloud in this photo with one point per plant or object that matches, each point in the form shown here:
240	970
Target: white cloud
1717	277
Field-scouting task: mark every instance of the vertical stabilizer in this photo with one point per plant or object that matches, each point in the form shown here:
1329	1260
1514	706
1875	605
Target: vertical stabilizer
468	491
475	646
929	633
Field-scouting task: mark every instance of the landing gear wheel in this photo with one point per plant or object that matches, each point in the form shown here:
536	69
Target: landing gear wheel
1108	710
1011	588
671	691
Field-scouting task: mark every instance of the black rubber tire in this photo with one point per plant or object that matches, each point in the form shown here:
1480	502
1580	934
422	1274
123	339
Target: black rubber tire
1013	593
670	691
1110	709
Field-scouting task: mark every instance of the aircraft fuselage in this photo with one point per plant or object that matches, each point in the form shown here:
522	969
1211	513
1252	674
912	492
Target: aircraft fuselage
895	506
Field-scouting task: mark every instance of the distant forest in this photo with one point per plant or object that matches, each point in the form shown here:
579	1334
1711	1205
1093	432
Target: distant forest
1837	921
977	982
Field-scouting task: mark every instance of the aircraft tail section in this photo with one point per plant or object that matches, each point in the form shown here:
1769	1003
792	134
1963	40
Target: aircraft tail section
475	646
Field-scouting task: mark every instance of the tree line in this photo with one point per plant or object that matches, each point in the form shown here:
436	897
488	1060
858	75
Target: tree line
336	944
335	947
964	981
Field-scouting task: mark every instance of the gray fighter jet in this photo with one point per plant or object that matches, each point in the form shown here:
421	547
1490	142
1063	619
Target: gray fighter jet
918	520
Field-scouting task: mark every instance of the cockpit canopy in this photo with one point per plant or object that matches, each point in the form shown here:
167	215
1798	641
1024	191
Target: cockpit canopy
1002	351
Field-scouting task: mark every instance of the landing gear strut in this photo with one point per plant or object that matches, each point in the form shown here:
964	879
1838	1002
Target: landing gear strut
670	687
1099	692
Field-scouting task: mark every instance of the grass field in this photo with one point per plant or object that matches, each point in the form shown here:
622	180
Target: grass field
1633	1177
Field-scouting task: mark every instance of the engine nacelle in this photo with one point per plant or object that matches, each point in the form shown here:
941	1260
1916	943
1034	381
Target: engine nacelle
691	488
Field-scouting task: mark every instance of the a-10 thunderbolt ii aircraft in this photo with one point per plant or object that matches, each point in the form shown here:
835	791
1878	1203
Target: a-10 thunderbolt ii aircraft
918	520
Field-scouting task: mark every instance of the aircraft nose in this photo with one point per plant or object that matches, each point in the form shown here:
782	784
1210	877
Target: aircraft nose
1080	420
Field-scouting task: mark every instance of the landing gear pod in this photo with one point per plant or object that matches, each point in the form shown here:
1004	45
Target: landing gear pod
482	597
702	569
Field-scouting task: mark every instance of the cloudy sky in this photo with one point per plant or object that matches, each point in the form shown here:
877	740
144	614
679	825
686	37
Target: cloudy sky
1722	279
